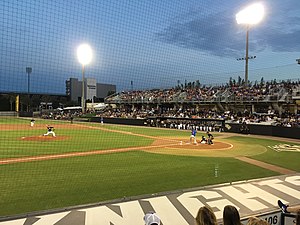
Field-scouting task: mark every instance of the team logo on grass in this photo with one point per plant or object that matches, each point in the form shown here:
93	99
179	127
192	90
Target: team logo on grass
285	148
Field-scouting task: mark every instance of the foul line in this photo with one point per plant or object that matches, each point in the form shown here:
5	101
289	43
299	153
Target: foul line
75	154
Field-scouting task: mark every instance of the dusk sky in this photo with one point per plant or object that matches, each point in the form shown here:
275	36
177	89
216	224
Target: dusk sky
152	43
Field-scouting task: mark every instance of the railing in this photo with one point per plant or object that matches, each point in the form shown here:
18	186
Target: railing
8	113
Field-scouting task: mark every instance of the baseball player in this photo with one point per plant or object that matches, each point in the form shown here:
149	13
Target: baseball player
210	137
50	130
193	136
32	121
203	140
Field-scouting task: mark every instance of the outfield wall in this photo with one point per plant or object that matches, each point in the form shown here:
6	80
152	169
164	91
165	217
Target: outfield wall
287	132
124	121
155	121
8	113
13	113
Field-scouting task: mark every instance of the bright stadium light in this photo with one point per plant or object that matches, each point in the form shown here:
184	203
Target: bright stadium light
251	15
84	55
28	71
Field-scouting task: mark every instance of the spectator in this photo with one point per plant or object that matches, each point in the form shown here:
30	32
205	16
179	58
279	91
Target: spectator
231	216
288	209
151	218
205	216
257	221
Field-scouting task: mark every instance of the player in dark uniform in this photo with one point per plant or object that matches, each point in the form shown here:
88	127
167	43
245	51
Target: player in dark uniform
203	140
210	137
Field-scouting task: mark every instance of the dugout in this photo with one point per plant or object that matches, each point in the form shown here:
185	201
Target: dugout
166	122
171	122
123	121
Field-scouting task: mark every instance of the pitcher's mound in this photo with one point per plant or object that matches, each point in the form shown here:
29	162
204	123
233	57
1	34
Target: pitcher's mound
44	138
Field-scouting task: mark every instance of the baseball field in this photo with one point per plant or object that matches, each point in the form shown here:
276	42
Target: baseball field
88	162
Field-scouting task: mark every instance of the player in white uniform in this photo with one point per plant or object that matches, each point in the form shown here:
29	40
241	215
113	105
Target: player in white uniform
32	121
50	130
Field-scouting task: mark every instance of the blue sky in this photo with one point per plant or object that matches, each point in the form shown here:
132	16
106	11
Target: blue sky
153	43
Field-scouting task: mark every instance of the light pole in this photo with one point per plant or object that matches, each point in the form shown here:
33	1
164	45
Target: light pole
28	71
84	55
251	15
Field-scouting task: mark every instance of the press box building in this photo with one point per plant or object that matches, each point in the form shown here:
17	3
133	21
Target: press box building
92	89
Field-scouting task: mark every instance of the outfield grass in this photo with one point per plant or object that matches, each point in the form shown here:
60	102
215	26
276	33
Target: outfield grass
78	141
59	183
289	160
42	185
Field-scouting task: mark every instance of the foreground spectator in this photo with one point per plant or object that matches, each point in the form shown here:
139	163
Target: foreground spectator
257	221
205	216
231	216
297	220
288	209
151	218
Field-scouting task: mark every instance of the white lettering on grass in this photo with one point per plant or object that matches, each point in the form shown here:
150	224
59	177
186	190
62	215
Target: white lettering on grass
190	201
14	222
279	185
293	180
247	196
132	213
220	204
166	211
50	219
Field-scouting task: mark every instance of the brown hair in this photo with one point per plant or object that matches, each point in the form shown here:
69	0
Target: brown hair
257	221
231	216
206	216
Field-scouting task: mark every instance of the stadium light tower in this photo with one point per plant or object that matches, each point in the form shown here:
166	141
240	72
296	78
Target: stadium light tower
28	71
251	15
84	55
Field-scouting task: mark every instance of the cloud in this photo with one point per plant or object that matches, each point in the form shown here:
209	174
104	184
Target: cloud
218	34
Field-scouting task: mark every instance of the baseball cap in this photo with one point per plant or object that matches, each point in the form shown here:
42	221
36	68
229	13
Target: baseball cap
151	218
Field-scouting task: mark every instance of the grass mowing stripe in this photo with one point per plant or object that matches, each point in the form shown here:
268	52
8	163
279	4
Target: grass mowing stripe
289	160
60	183
78	141
64	182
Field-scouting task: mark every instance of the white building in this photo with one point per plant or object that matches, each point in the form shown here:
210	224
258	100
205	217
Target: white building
93	90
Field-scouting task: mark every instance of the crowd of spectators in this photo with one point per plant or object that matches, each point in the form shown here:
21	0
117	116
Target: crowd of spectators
125	107
264	91
269	118
61	114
